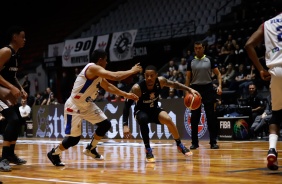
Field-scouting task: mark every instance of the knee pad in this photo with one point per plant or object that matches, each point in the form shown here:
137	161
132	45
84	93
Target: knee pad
142	118
103	127
70	141
276	117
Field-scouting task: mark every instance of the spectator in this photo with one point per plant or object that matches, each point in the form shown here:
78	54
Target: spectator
26	85
261	121
182	67
46	96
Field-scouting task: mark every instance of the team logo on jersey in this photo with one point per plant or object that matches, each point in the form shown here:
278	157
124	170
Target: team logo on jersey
202	126
122	46
152	95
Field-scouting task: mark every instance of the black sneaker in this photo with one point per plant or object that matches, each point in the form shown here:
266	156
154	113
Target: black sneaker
149	155
55	159
272	163
194	146
16	160
92	153
214	146
182	149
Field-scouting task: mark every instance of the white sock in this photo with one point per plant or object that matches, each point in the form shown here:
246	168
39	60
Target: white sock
57	151
273	138
94	143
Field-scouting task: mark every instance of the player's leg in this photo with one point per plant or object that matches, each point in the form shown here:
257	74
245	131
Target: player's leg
96	116
165	119
142	119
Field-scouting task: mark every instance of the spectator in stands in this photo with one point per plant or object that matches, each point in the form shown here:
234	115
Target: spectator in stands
182	67
230	40
249	79
52	100
189	56
38	99
255	101
209	40
181	79
228	77
26	85
240	77
25	110
170	68
46	96
172	94
261	121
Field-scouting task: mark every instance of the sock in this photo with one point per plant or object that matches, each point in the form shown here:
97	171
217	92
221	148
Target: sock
147	146
94	143
178	141
57	151
5	152
12	149
273	138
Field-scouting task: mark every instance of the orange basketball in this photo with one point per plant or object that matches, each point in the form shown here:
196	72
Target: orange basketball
192	102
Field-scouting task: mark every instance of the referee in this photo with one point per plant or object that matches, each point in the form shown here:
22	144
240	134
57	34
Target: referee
199	77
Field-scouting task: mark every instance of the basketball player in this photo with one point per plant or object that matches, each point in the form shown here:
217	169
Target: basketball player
199	77
147	110
8	79
80	105
271	33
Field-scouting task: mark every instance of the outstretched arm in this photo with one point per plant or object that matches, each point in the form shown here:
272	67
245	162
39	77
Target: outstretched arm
177	85
96	70
114	90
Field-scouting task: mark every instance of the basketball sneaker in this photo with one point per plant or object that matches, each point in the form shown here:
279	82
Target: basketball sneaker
149	155
272	163
55	159
4	166
182	149
16	160
92	153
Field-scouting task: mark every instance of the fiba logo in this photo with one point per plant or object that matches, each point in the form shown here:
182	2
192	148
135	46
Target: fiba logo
240	129
202	126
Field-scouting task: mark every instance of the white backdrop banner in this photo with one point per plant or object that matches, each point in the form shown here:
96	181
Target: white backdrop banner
102	42
122	45
77	52
55	49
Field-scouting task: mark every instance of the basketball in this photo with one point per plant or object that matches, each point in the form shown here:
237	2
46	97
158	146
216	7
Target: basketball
192	102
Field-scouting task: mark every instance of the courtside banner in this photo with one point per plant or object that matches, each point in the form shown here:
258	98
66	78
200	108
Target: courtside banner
122	45
77	52
55	50
48	121
102	42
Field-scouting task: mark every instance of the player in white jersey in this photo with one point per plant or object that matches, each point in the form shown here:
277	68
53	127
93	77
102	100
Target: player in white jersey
80	105
271	33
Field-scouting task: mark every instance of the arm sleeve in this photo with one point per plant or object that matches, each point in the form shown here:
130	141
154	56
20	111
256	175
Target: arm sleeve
126	110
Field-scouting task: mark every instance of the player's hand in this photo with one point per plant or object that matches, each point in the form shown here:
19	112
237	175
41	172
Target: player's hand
132	96
126	132
265	75
137	68
194	92
24	94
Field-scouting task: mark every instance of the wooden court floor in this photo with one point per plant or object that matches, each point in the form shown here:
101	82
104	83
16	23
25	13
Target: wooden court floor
235	162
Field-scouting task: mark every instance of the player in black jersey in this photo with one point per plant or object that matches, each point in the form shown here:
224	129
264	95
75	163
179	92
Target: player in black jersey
8	79
147	110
